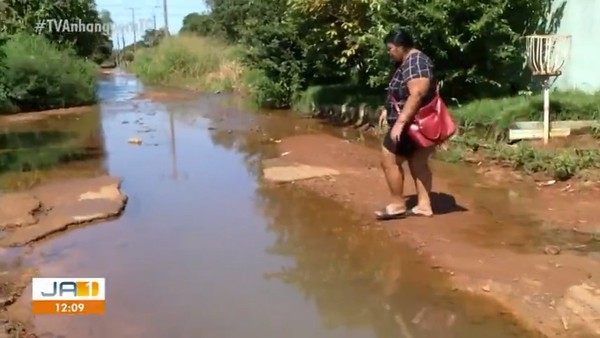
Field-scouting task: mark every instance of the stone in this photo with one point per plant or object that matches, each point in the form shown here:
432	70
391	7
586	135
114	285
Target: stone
582	305
551	250
290	173
63	203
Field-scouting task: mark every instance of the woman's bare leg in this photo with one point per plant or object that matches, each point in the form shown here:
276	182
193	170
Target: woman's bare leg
394	175
421	173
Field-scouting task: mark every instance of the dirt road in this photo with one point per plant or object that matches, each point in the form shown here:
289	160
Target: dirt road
202	233
516	244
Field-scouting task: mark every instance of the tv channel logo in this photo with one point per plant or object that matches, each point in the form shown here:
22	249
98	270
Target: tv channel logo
68	295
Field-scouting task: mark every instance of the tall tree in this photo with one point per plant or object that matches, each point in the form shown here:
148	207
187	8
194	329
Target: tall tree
23	16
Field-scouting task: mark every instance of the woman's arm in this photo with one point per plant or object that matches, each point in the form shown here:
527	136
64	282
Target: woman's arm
418	89
418	74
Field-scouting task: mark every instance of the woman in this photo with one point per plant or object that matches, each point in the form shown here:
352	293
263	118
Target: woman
411	87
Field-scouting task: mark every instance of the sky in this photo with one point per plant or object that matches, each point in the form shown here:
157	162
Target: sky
144	11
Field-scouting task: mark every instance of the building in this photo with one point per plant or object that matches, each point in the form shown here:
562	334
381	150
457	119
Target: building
580	20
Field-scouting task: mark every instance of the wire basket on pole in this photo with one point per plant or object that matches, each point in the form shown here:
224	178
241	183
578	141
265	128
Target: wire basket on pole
546	55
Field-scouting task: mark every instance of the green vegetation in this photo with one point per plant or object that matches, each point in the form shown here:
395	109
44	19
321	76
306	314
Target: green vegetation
484	128
493	117
300	53
293	45
49	69
193	62
62	79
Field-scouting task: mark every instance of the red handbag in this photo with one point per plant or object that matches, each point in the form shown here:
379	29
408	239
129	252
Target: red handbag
432	124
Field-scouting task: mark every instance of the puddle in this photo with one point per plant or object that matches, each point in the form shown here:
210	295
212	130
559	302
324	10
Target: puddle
32	152
510	225
204	250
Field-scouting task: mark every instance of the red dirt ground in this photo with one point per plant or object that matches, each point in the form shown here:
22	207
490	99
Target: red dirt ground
474	237
30	116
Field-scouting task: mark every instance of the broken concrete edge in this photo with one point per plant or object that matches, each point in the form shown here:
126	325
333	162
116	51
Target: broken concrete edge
19	289
99	218
281	171
298	179
43	114
16	327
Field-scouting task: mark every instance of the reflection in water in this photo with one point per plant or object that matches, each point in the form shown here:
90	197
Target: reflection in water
356	276
173	145
220	255
34	151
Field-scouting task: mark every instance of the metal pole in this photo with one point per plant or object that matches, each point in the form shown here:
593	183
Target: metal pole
154	15
118	51
123	49
133	26
546	110
166	18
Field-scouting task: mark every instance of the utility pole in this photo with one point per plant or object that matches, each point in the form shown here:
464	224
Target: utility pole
154	15
166	18
133	26
123	44
118	50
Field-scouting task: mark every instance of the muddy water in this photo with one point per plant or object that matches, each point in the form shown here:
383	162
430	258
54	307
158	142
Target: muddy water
32	151
509	222
204	250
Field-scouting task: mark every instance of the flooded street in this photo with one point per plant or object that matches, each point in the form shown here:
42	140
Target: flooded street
204	249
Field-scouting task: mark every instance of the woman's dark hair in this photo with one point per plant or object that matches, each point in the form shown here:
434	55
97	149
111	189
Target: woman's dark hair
400	37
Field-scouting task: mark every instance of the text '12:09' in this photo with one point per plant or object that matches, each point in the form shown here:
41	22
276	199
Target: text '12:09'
68	296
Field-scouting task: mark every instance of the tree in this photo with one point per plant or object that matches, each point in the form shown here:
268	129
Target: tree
476	46
230	15
152	37
22	16
201	24
105	17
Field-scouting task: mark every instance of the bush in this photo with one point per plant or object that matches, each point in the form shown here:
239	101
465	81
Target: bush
4	103
339	94
302	43
195	62
560	164
41	76
266	92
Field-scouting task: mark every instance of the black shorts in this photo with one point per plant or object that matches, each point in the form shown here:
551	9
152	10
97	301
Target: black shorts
405	148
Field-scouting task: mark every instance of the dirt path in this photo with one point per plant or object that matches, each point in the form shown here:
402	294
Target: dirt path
27	217
549	287
30	216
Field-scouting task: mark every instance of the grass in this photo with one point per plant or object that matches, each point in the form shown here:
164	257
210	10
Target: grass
491	119
192	62
484	129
